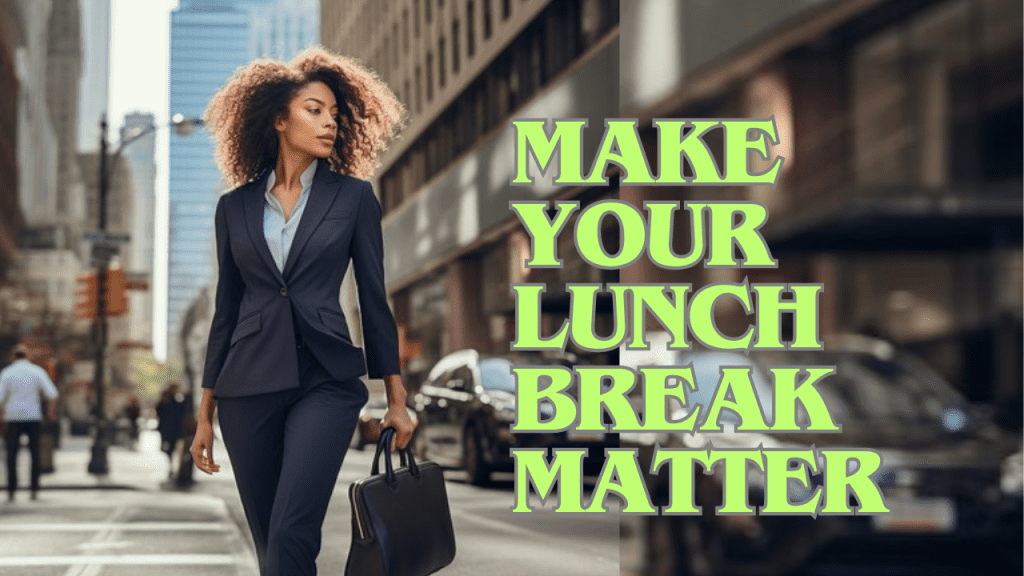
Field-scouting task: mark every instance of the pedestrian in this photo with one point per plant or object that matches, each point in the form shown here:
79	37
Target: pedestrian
299	140
132	411
20	386
170	411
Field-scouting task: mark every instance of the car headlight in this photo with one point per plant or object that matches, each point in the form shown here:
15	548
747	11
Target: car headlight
505	413
954	419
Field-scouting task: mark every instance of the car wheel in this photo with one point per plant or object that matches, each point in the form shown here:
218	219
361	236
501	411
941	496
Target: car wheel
473	458
708	546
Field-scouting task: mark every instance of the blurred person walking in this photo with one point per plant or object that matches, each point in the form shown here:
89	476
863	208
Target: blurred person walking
20	386
299	140
170	412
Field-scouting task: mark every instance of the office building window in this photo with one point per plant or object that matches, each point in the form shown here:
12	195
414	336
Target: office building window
394	34
416	17
470	30
427	11
419	89
487	18
440	61
506	9
405	29
455	47
430	76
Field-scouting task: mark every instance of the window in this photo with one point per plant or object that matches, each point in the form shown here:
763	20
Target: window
405	29
416	17
455	47
419	90
428	13
430	76
506	9
408	94
394	34
487	18
470	30
440	61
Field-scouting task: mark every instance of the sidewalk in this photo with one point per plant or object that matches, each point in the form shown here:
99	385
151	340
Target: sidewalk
131	521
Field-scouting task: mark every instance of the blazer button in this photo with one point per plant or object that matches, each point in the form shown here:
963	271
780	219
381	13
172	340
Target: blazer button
284	291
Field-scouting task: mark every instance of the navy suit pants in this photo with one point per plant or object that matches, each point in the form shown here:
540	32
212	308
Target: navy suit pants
286	449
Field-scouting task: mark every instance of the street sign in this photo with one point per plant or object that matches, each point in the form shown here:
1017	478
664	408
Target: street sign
107	237
101	253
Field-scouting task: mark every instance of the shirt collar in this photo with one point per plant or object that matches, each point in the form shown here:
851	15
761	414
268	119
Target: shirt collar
306	178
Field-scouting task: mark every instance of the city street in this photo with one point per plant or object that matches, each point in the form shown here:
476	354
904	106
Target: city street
134	519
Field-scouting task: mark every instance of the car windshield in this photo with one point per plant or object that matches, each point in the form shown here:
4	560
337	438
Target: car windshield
873	392
496	372
707	373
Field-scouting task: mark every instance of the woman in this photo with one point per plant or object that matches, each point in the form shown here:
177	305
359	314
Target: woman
297	140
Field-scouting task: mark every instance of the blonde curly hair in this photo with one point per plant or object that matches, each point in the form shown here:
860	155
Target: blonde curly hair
241	114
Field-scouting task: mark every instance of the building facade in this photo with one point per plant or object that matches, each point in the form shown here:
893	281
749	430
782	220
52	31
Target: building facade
95	71
282	29
138	258
900	126
464	69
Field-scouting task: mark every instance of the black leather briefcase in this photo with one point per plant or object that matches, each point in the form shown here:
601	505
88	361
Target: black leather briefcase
401	524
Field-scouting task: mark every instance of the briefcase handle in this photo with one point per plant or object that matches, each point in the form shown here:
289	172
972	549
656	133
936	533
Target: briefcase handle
384	445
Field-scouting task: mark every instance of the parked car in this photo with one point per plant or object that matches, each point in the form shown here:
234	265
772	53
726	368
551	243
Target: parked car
466	407
941	475
370	416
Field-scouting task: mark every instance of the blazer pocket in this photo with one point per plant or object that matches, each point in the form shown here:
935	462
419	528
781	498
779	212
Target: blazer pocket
339	215
335	322
249	325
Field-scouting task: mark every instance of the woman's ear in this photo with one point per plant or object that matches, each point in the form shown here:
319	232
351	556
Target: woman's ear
281	121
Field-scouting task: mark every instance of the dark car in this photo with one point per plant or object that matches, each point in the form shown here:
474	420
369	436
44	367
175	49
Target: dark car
466	407
942	476
370	416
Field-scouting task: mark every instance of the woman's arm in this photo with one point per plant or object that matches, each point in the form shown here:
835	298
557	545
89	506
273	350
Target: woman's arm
380	335
397	415
230	288
202	442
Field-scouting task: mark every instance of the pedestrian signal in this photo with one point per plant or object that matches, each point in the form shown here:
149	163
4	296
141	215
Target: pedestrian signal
86	296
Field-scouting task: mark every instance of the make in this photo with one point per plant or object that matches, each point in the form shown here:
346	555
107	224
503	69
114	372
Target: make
621	145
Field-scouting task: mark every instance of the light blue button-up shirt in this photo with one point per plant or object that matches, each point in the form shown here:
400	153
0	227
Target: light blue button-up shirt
278	231
20	385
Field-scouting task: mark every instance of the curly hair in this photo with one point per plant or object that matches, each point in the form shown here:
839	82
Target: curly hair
241	114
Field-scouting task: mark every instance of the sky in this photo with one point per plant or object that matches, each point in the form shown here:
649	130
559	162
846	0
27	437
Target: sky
139	64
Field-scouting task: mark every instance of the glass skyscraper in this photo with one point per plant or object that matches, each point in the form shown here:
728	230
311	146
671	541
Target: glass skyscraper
209	41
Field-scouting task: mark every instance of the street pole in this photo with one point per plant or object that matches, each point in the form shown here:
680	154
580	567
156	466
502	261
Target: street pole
98	463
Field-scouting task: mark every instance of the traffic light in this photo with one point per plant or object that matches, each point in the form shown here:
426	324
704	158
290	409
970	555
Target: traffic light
86	296
116	302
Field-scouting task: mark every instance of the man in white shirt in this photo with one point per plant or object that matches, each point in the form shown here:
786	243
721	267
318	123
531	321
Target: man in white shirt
20	385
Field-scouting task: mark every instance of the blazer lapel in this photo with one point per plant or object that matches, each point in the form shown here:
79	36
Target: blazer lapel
321	197
255	203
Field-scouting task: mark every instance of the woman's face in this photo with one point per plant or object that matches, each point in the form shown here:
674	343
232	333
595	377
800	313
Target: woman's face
311	125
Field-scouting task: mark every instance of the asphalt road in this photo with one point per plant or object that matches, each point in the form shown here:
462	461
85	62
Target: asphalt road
490	539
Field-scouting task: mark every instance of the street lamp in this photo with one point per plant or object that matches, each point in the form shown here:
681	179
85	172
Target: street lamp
102	252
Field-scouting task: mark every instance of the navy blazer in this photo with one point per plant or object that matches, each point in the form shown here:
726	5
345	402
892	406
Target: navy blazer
252	348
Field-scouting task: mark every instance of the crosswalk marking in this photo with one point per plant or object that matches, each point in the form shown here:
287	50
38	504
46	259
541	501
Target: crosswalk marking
121	559
119	526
